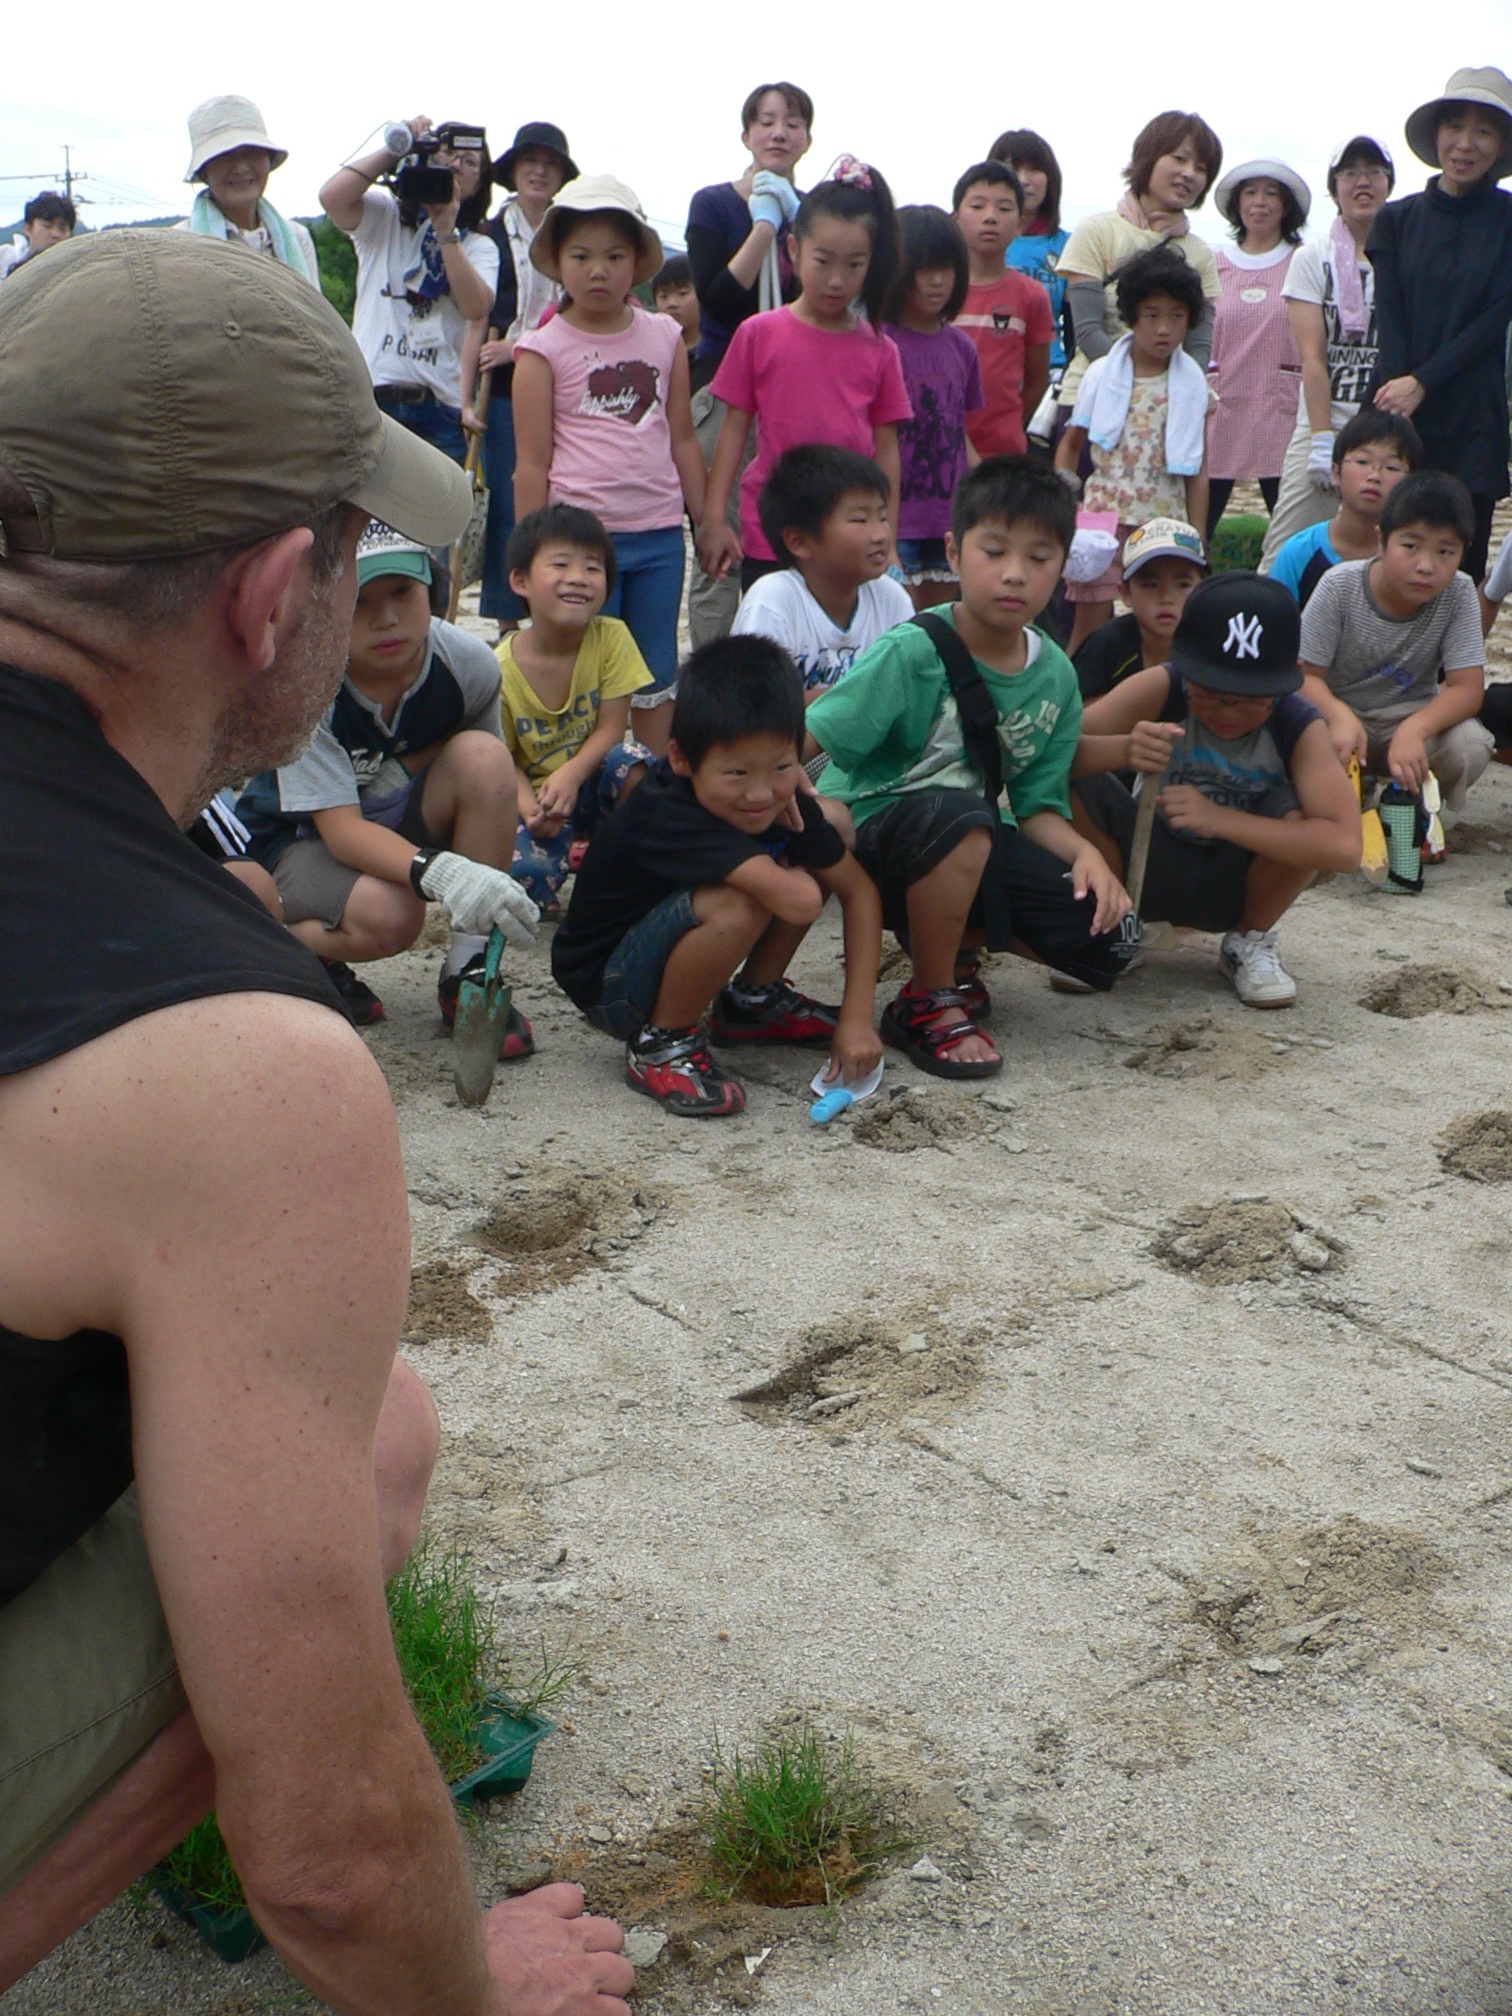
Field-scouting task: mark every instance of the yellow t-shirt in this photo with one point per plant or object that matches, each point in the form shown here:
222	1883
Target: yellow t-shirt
608	667
1098	247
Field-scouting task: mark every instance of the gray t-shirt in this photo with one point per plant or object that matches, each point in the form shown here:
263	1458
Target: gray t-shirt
1381	665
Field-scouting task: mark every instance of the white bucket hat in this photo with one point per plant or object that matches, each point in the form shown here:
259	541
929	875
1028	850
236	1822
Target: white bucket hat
1226	195
1488	86
599	192
223	123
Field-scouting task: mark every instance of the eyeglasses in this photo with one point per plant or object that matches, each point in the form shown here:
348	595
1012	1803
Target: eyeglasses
1361	175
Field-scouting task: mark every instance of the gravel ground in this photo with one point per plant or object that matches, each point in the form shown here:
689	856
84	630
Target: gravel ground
1163	1560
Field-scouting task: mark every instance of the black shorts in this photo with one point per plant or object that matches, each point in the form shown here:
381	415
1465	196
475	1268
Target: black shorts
906	840
1201	885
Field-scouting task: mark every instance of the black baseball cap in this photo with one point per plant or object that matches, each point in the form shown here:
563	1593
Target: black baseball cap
1239	633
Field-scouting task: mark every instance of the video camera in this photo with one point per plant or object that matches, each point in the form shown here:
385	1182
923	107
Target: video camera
416	179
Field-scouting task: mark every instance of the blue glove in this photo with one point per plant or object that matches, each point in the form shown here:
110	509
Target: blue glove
774	200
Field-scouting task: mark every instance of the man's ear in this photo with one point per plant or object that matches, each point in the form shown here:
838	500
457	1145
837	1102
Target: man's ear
264	590
679	763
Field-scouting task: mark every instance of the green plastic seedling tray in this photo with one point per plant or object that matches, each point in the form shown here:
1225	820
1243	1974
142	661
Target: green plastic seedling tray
232	1936
508	1740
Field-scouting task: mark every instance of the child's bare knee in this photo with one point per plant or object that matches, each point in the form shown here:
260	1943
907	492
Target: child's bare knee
481	756
973	850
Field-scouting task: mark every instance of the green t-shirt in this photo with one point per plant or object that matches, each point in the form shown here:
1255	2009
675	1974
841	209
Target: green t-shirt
891	725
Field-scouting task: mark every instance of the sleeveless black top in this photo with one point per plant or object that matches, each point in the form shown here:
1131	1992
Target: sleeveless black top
107	912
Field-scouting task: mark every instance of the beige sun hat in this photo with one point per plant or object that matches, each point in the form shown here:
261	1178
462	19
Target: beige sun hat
599	192
1487	86
1226	195
220	124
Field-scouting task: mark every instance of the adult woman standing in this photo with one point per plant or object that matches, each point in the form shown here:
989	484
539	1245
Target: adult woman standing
1171	166
533	170
231	154
1042	237
1330	303
737	240
1255	368
1443	266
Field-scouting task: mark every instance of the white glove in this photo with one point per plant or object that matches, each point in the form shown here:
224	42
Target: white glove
478	898
774	200
1320	461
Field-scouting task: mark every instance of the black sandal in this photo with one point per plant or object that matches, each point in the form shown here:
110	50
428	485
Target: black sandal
908	1024
973	989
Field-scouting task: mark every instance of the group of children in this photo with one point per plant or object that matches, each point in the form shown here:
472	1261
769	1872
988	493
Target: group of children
941	766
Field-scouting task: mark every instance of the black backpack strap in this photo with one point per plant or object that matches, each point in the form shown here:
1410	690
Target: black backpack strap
978	711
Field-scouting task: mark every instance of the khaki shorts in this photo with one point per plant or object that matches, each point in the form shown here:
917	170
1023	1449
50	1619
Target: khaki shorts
87	1679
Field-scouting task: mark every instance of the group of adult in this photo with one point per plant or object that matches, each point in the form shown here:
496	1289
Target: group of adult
209	1453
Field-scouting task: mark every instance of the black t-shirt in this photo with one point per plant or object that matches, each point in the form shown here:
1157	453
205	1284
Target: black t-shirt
107	912
1110	653
658	841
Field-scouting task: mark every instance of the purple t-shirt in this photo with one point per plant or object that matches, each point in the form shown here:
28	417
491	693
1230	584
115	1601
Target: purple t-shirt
944	383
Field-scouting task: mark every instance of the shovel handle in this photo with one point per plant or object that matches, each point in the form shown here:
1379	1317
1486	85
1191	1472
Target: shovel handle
1144	826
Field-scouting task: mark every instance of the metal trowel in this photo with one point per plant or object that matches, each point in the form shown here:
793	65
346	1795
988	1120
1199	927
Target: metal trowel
478	1031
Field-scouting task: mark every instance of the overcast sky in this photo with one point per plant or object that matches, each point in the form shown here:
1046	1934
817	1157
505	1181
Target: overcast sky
653	94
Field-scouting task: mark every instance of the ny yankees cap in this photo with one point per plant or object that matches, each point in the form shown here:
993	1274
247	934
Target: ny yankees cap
1239	633
162	394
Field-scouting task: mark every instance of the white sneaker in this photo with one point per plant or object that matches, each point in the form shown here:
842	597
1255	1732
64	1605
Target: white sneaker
1250	959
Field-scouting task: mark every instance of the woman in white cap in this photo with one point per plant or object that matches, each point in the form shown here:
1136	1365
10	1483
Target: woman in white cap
1330	303
231	154
1443	267
1255	369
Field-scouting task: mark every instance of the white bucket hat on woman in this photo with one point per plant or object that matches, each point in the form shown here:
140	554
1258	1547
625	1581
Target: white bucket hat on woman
223	123
1226	195
599	192
1488	86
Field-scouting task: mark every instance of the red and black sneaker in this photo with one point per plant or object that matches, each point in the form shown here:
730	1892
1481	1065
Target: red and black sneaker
360	1002
673	1067
519	1039
781	1015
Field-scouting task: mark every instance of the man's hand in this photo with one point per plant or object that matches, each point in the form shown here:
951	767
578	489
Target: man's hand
1400	395
1186	810
718	548
1091	876
855	1049
1407	757
547	1959
1150	745
478	898
1346	731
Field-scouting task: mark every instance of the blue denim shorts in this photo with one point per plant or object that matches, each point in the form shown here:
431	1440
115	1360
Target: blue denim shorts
540	860
633	976
924	560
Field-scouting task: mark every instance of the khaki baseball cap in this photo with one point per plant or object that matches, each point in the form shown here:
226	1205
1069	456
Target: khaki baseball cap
163	394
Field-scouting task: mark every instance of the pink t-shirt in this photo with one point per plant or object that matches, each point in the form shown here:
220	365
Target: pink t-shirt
611	447
804	384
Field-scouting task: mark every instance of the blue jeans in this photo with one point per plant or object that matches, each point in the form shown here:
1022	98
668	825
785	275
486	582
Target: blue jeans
433	422
633	976
497	598
648	595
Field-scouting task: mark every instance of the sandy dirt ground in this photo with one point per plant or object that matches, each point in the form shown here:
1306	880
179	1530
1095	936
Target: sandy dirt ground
1120	1451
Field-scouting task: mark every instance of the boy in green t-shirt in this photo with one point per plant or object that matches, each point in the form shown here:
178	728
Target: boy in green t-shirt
925	831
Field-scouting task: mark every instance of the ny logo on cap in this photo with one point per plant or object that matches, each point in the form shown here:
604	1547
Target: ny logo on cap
1244	635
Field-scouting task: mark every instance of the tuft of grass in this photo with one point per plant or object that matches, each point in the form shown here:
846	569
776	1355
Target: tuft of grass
548	1677
798	1821
444	1641
201	1865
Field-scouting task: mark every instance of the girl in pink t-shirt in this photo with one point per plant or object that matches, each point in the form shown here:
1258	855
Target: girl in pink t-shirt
814	371
603	420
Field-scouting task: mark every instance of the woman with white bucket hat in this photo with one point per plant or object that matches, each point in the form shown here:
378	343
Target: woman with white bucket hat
231	154
1443	271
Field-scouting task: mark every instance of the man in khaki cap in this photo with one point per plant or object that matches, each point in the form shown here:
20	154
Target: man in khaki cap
210	1458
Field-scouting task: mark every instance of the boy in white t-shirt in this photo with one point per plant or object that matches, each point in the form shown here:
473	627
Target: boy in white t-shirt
824	510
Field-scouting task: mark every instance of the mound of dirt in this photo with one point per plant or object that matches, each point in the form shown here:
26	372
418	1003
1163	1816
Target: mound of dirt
1226	1243
442	1305
1204	1046
862	1370
906	1118
547	1229
1432	990
1479	1146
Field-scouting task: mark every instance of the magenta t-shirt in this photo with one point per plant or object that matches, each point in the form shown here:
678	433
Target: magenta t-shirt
803	385
611	446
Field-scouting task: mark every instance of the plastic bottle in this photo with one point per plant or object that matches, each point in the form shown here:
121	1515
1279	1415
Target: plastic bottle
831	1104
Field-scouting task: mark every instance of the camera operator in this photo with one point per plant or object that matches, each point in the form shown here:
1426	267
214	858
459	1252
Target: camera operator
424	272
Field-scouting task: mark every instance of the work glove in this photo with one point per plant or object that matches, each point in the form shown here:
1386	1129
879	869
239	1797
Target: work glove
478	898
774	200
1320	461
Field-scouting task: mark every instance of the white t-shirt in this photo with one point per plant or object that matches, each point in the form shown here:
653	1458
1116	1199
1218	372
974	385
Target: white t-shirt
408	341
1351	366
780	606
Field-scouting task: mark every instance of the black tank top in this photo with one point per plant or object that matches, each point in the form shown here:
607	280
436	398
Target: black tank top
107	912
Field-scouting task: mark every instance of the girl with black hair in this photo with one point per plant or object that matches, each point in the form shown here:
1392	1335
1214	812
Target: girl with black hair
819	370
1042	236
944	383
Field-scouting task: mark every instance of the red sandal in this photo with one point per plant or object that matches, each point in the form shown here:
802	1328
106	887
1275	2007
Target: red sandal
910	1024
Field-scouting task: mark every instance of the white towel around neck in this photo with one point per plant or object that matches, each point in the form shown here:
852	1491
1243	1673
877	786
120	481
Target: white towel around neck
1102	404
